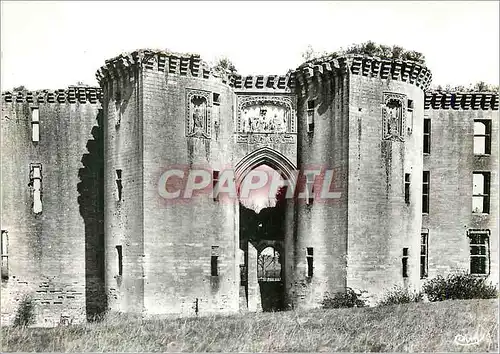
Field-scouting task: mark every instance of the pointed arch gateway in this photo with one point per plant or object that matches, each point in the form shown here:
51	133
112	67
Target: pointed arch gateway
260	231
265	156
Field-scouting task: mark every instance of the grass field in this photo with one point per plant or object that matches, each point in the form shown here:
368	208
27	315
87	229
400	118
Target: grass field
449	326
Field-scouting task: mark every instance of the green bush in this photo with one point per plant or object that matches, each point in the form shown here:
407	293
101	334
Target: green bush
349	298
459	286
400	295
25	314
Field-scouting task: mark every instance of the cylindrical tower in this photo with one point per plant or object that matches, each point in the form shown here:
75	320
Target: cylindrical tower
165	112
363	118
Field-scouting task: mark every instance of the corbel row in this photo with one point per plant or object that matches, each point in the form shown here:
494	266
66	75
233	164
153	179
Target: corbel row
460	100
73	94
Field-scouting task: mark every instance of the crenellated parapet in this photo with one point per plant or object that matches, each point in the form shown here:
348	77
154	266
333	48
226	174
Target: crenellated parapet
125	65
315	71
72	94
285	83
461	100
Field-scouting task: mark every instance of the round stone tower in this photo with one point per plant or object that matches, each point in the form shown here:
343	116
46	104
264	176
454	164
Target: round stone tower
162	112
363	118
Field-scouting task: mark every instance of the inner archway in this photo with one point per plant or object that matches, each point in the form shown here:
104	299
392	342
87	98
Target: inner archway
262	239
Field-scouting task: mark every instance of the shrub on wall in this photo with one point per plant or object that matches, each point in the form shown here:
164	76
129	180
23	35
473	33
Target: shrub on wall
400	295
349	298
25	314
369	48
459	286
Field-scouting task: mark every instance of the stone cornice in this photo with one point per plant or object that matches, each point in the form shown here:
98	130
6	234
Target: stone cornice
73	94
461	100
402	70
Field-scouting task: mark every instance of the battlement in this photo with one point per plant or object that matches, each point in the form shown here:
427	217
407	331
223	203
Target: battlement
159	60
407	71
261	82
72	94
461	100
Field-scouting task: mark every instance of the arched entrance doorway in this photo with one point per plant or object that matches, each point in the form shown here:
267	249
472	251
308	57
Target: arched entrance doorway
266	218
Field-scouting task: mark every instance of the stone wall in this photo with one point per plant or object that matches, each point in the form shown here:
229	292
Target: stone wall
50	252
451	164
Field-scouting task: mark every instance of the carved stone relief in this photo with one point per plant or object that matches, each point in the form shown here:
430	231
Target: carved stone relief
198	113
266	119
393	116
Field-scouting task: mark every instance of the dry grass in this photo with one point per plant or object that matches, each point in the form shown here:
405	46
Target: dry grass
416	327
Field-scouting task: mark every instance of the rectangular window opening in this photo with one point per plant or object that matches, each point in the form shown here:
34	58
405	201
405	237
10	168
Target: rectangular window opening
215	185
310	189
310	262
120	259
479	243
5	254
407	188
216	99
482	137
481	192
427	136
119	185
424	249
310	116
214	261
410	116
425	192
35	124
36	187
405	262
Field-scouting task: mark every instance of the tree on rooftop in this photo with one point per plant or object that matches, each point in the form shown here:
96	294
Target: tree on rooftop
223	65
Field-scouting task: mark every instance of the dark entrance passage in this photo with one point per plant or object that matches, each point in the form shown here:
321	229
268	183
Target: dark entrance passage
270	279
265	232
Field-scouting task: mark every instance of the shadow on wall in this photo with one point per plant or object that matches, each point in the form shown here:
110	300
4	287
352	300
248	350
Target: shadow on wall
91	202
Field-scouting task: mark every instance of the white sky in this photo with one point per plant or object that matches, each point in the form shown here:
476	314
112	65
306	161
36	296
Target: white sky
56	44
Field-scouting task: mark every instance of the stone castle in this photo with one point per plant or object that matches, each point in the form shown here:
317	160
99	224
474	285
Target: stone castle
85	229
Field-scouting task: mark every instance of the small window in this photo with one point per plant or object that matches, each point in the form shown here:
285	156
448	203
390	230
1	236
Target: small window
120	259
425	191
410	116
310	116
424	249
36	187
214	261
215	185
216	99
5	254
407	188
481	192
482	137
310	261
35	124
119	185
310	188
405	262
479	243
427	136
